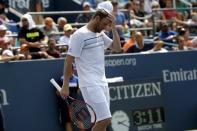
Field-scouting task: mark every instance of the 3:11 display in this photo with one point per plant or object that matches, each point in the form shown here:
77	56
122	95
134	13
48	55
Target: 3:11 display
148	116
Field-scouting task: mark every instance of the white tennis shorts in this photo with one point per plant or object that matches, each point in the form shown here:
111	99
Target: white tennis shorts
99	99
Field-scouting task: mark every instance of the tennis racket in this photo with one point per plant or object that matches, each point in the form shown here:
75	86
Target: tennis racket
82	115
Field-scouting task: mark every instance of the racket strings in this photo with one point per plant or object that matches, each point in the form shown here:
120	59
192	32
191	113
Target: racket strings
80	115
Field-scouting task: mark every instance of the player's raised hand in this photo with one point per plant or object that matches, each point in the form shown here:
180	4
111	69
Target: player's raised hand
113	21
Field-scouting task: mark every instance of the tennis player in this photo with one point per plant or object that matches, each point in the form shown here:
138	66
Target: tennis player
87	47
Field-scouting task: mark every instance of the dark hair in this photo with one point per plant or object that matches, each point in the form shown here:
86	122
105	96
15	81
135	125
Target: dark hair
164	25
127	5
51	39
101	13
181	30
114	3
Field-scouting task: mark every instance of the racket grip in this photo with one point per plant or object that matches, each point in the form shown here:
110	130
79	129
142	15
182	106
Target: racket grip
55	84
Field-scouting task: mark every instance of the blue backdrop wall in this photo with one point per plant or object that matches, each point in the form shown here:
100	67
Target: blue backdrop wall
158	93
31	102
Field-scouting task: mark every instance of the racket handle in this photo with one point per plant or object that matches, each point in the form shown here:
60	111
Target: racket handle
55	84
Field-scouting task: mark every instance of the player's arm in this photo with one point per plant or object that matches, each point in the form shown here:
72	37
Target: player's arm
67	74
116	45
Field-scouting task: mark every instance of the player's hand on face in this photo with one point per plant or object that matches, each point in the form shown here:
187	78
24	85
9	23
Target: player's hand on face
113	22
64	92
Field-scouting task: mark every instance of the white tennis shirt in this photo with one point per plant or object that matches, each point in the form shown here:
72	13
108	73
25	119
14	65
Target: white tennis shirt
88	49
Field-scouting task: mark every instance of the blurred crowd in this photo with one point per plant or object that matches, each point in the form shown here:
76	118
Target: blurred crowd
144	26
